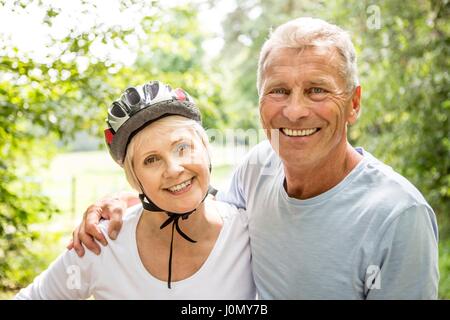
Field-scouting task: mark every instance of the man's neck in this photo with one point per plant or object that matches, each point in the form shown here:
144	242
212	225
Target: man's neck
310	180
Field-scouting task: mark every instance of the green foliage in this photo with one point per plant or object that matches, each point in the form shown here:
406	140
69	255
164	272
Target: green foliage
48	99
23	265
444	269
406	116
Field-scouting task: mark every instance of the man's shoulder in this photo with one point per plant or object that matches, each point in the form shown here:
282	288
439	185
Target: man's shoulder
261	157
262	148
388	186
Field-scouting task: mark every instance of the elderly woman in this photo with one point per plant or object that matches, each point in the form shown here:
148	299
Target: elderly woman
154	133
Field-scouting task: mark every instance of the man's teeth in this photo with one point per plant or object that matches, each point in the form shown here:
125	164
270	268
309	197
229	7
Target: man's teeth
299	133
180	186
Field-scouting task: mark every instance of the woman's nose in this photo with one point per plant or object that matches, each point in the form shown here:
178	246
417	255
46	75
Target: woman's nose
174	168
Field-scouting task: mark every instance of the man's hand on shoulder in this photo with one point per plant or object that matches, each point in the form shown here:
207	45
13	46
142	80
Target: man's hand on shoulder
112	208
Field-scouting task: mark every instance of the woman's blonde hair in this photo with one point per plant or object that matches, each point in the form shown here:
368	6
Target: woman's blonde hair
175	122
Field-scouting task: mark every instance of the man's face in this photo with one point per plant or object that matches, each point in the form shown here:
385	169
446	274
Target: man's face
305	102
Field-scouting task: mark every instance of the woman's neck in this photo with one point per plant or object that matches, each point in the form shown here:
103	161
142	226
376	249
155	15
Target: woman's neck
196	226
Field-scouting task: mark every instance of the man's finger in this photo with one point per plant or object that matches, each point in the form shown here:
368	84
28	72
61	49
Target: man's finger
77	244
116	212
113	209
90	243
70	245
92	229
114	228
92	218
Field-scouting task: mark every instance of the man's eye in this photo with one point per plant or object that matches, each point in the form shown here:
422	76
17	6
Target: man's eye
151	160
279	91
316	90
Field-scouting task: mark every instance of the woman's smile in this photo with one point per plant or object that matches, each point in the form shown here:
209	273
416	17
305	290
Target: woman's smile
181	188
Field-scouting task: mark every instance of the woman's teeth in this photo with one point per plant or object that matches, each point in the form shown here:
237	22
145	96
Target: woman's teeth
180	186
299	133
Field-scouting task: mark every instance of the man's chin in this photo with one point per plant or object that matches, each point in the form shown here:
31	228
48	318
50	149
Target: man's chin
295	157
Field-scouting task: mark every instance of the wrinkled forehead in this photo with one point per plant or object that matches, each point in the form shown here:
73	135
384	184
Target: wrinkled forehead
321	55
318	64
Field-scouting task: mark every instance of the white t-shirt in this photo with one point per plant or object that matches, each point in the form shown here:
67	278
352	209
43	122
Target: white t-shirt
118	273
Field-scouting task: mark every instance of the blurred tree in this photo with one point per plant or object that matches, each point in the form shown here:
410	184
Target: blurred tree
404	62
48	98
404	68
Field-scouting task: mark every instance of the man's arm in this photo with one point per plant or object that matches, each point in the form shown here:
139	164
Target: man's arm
111	208
407	258
234	194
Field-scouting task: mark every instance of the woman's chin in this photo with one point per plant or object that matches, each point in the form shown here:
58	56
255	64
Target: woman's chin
184	207
183	203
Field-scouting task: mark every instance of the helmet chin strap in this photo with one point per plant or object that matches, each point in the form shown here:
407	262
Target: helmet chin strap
173	218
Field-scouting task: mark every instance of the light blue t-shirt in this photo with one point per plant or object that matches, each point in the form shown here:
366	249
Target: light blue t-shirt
372	236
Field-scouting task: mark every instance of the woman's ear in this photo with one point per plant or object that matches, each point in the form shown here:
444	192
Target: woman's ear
355	105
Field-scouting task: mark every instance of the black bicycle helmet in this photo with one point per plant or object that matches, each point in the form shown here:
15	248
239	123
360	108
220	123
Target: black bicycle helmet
137	107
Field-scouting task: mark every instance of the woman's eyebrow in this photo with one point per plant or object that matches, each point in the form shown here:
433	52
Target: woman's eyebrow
177	140
154	151
147	153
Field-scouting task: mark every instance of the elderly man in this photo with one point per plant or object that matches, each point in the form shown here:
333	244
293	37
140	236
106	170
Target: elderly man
326	220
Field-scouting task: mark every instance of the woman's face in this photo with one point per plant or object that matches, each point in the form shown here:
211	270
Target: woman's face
172	166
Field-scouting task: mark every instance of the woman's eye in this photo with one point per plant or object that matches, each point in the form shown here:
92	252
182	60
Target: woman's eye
151	160
182	148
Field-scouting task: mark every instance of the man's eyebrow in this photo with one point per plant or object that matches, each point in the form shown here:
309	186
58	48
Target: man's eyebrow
317	82
275	83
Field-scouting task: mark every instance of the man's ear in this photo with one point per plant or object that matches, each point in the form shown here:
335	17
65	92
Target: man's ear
355	105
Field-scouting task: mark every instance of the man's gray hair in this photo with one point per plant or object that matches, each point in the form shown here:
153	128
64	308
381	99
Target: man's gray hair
310	32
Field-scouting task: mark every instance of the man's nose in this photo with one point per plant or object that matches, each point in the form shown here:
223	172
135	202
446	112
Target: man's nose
296	108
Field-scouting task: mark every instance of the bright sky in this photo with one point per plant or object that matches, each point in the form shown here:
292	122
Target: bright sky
29	34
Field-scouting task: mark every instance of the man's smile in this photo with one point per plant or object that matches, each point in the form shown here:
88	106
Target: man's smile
299	132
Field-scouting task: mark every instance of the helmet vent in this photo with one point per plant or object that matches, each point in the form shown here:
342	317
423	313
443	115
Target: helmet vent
132	96
117	110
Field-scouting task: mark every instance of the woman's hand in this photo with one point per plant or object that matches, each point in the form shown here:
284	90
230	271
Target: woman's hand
110	208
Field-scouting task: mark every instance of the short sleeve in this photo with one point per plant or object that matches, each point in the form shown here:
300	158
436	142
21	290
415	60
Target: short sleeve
405	263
